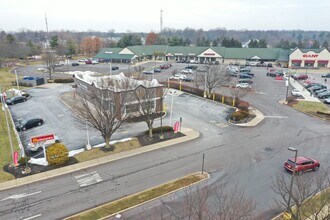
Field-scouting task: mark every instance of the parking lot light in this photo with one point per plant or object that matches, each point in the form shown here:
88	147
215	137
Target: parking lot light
293	174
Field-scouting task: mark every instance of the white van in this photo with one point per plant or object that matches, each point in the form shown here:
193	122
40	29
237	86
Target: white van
39	145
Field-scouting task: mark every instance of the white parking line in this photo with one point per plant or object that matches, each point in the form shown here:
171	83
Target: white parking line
275	116
35	216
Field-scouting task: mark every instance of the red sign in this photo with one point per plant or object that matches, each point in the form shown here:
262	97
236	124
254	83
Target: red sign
15	157
42	138
310	55
176	126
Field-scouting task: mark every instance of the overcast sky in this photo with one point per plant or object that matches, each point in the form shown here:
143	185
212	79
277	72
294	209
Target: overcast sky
144	15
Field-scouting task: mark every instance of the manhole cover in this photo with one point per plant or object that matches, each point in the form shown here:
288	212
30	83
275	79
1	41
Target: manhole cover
268	149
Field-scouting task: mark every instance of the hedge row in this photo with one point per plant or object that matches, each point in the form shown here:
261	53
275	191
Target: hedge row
63	80
228	100
158	129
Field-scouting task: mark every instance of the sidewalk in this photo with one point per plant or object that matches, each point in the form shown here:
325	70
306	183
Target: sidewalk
304	92
190	135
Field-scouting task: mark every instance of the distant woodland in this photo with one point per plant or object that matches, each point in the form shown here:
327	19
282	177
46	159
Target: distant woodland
26	42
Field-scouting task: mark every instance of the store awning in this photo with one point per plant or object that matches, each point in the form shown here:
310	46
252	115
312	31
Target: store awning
323	61
296	61
309	61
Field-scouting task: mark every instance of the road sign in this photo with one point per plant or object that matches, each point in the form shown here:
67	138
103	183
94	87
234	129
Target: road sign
42	138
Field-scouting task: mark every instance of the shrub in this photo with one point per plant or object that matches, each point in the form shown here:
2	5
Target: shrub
23	160
158	129
57	154
244	106
63	80
239	115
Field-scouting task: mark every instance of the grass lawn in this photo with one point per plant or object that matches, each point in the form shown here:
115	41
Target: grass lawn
97	152
6	78
311	107
5	152
138	198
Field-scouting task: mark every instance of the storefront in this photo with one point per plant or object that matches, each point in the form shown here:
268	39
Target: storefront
309	58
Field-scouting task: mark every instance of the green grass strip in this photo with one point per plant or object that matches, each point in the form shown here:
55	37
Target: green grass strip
136	199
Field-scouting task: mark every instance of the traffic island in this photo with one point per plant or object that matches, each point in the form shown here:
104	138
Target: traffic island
114	208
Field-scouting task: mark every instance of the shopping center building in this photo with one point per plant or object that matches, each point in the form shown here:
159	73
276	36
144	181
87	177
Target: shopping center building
297	58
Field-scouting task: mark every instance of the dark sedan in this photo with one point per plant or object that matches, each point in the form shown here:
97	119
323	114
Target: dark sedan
22	125
326	75
75	64
324	95
15	100
244	76
115	68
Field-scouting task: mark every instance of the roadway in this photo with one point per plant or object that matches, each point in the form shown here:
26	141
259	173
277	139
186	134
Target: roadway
250	157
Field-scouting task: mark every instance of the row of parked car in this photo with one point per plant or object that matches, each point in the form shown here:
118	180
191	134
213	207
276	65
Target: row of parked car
157	69
319	90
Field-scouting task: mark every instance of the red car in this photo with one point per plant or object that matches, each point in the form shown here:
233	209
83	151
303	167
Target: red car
300	77
303	164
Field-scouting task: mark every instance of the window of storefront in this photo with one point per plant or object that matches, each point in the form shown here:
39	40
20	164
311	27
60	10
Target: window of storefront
296	63
309	63
322	63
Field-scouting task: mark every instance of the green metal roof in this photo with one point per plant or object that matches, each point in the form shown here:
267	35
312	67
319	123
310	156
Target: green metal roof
186	51
227	53
112	53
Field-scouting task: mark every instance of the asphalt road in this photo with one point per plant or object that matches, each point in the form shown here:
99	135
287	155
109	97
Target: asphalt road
250	157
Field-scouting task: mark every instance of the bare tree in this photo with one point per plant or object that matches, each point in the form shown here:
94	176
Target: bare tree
102	108
146	97
238	93
50	60
213	76
221	202
303	194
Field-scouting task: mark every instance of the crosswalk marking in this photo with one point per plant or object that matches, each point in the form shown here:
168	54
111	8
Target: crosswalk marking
88	179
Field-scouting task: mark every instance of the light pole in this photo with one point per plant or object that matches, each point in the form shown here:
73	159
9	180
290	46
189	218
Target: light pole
172	94
16	80
88	146
110	69
205	85
293	173
161	136
287	84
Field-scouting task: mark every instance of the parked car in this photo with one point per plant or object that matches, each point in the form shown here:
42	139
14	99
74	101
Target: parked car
75	64
95	61
150	72
279	73
249	81
316	87
300	76
326	75
82	60
42	69
22	125
302	165
88	61
296	92
115	68
15	100
253	63
326	101
187	71
188	79
38	146
324	95
164	66
271	74
320	91
243	86
58	64
311	84
270	65
178	77
192	67
244	76
157	70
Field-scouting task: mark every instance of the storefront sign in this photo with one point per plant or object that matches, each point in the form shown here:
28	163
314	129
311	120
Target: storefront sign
209	54
310	55
178	54
42	138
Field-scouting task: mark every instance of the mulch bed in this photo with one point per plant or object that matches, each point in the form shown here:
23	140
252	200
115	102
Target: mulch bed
17	171
143	139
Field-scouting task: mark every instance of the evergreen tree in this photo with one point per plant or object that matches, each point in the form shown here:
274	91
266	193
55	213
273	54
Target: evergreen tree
325	44
53	42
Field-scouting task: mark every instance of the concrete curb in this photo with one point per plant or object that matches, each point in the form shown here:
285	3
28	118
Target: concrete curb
190	135
254	122
132	207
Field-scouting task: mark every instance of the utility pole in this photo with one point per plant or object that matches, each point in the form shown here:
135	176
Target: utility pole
161	20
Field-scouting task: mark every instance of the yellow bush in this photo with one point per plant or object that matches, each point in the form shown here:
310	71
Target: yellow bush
57	154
